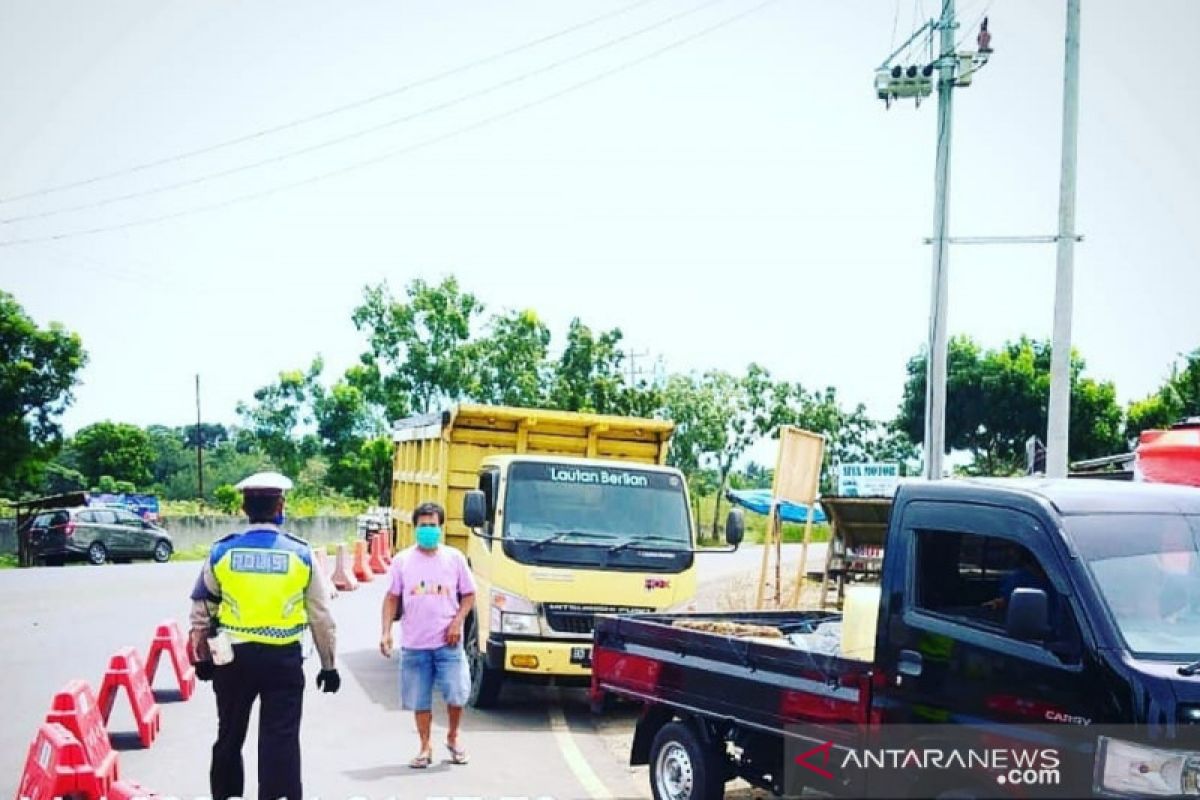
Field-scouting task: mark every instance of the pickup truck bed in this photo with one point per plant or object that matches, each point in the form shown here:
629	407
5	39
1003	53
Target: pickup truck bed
748	681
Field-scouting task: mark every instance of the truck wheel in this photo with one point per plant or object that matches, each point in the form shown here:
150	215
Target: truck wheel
97	553
485	681
682	767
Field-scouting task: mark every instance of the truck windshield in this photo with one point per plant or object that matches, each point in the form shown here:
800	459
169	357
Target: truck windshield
605	505
1147	567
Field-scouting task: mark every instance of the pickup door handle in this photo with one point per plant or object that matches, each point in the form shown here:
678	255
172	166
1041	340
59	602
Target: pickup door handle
910	663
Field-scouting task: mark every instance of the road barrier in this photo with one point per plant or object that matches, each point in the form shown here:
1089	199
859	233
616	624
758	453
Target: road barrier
76	709
131	790
52	765
168	638
376	562
125	670
343	574
362	570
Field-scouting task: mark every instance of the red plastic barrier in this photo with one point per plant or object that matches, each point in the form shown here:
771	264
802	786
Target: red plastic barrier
376	562
169	639
130	790
362	569
343	574
126	670
76	709
52	768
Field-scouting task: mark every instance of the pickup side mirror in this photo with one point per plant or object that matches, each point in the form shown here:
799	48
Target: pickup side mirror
474	510
1028	617
735	527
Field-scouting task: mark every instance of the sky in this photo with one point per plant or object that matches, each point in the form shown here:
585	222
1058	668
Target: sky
714	177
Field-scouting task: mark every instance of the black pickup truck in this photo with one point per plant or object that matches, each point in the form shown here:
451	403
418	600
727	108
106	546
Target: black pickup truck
1034	639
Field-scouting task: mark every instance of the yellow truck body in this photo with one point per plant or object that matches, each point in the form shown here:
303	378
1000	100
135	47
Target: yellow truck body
584	518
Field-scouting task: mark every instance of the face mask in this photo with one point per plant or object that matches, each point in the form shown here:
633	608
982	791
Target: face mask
279	518
428	536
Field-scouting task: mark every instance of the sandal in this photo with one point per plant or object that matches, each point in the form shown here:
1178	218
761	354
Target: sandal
422	761
457	754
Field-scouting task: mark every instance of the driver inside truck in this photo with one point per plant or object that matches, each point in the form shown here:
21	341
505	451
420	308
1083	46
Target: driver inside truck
1028	574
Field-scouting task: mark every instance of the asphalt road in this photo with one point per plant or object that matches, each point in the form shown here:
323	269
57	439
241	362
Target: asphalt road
59	624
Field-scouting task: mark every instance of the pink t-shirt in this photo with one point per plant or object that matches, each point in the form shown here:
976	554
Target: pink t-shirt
429	585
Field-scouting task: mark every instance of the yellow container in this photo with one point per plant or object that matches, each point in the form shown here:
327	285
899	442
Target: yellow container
860	615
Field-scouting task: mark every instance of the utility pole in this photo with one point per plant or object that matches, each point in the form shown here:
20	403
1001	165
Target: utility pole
199	446
1058	429
935	364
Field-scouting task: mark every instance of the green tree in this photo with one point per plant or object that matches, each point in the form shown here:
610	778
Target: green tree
117	450
1178	398
997	399
511	361
38	369
420	353
281	418
588	377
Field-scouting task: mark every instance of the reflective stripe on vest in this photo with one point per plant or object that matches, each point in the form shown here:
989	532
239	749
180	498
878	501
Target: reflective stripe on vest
263	575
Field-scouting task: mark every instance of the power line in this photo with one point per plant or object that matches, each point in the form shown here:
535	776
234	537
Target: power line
358	134
135	168
404	150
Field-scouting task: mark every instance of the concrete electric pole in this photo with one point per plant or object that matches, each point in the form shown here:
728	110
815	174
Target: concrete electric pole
935	363
1058	429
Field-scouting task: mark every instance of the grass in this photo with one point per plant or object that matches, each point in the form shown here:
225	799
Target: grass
8	561
756	525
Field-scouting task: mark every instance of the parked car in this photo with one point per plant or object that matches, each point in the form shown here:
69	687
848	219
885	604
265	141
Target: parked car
96	535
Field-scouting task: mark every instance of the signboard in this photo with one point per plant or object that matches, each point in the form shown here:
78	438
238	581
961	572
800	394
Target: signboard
798	467
868	480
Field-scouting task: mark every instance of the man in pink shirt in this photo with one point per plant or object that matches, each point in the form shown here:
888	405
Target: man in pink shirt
432	586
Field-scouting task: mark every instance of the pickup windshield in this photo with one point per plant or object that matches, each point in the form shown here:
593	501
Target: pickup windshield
598	505
1147	567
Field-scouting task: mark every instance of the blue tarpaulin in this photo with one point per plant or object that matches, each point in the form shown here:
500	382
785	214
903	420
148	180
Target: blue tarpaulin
759	501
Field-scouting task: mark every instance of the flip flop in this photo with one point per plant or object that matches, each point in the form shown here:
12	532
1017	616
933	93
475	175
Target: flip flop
422	761
457	754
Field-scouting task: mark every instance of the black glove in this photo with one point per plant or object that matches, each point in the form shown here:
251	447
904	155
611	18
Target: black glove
204	670
329	681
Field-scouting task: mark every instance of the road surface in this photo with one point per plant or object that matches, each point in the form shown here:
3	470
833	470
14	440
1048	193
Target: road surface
63	623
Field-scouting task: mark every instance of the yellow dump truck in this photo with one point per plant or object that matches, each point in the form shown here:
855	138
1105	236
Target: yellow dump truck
562	516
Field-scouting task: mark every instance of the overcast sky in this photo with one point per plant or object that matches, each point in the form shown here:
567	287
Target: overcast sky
739	197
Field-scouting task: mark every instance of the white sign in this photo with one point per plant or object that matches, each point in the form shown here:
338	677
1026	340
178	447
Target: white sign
868	480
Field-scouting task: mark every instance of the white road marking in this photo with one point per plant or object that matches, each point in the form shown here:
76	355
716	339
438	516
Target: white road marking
572	754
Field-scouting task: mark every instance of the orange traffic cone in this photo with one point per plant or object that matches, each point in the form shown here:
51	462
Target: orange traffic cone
343	575
376	562
362	570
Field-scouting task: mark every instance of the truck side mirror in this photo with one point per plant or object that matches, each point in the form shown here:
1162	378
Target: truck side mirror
1028	617
474	510
735	527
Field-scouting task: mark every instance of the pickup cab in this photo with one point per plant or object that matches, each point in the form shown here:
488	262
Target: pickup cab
1062	616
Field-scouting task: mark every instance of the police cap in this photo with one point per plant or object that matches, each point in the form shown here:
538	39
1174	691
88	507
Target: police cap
265	483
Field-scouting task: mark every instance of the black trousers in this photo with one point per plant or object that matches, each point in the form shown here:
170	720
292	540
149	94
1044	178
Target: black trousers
274	675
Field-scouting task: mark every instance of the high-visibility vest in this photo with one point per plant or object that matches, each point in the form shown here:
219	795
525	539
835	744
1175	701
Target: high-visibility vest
263	575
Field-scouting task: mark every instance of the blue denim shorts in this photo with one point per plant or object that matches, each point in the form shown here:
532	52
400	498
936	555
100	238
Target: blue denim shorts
422	670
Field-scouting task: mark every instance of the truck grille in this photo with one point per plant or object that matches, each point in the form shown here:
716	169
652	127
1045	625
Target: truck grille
580	619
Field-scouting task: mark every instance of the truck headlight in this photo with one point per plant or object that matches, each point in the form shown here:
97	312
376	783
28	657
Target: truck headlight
516	614
1141	771
519	623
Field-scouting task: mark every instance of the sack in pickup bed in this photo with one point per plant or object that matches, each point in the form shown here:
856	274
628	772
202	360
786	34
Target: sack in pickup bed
721	628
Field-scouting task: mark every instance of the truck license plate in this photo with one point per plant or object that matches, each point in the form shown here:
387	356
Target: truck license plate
581	656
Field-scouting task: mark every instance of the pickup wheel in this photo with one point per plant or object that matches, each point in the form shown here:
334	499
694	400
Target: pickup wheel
683	767
485	681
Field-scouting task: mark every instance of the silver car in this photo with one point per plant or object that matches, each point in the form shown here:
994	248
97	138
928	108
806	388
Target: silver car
96	534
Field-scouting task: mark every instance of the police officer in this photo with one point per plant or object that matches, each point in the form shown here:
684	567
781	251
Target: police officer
257	592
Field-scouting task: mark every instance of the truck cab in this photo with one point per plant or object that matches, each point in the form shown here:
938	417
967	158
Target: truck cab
562	516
